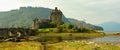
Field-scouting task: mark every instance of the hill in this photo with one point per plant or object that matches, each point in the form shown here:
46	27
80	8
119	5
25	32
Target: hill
23	17
83	24
111	26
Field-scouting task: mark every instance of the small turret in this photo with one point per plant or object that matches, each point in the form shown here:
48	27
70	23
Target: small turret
35	23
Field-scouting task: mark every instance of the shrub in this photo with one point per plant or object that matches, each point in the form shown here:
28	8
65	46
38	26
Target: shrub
85	30
57	30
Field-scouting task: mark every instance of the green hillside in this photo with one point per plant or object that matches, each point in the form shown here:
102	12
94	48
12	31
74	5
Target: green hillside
23	17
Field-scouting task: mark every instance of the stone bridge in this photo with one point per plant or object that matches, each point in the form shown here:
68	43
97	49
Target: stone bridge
14	32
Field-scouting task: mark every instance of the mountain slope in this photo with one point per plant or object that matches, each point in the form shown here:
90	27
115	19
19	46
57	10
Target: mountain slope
111	26
23	17
83	24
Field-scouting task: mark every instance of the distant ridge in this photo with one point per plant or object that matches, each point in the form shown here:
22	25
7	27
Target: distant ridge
84	24
111	26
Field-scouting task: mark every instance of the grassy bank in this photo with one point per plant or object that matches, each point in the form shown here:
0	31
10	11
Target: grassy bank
88	35
57	37
20	46
82	46
72	34
76	45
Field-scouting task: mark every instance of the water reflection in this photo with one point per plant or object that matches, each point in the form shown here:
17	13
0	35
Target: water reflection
107	39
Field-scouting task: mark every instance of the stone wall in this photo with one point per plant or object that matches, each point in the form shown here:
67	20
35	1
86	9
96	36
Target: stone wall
7	32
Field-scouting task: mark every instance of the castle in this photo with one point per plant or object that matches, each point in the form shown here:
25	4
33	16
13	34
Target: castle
54	18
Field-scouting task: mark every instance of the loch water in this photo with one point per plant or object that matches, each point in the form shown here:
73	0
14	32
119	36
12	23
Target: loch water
106	39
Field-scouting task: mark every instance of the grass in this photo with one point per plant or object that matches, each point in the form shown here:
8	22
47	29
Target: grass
20	46
74	34
81	46
67	45
89	35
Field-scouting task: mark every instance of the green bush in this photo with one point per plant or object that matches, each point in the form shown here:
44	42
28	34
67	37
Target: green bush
85	30
57	30
65	28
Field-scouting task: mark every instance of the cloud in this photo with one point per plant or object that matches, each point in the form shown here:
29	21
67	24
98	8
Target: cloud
9	4
42	3
94	11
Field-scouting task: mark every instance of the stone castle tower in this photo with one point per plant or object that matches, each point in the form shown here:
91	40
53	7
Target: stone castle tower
56	16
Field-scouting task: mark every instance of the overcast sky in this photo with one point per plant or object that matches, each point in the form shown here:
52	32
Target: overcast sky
92	11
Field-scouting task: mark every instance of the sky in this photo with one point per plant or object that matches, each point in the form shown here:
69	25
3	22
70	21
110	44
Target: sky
91	11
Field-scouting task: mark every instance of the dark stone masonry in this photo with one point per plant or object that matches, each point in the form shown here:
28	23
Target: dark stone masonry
55	18
15	32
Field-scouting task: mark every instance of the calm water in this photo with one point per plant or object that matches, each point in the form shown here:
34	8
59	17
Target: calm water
111	32
107	39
